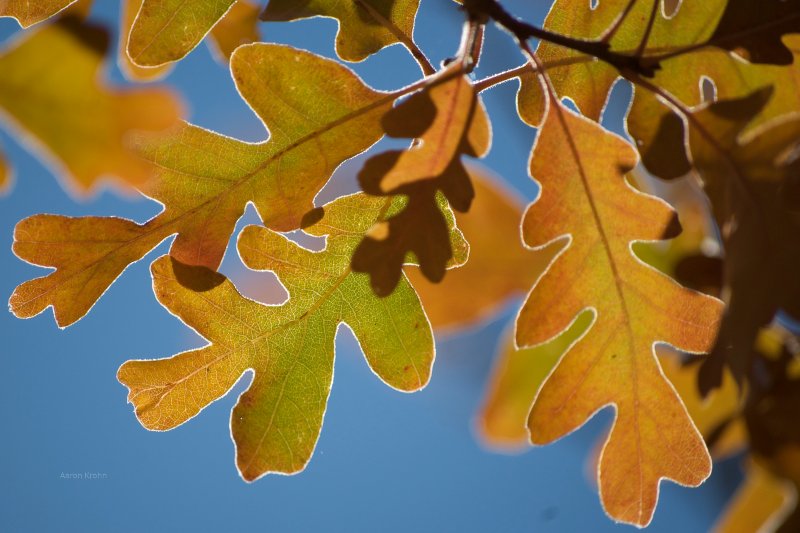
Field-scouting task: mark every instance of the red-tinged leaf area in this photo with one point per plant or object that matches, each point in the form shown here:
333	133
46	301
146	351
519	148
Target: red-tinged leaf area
586	199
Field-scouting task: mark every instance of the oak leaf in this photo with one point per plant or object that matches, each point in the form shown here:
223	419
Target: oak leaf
690	44
57	99
290	348
164	31
365	26
205	180
28	13
238	26
586	200
446	121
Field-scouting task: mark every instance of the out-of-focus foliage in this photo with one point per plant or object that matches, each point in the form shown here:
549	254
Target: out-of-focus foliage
52	91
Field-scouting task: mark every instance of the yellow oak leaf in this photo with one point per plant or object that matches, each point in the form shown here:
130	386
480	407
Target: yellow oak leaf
289	348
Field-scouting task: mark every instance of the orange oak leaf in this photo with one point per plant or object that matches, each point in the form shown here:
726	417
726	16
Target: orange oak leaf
447	120
205	180
289	348
454	123
57	100
586	200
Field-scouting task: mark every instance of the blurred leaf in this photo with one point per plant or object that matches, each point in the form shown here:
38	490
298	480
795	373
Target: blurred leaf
760	504
5	174
290	348
586	200
499	267
58	100
517	376
205	180
239	26
165	31
365	26
447	120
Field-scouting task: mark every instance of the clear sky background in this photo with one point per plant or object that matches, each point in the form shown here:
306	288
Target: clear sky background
386	461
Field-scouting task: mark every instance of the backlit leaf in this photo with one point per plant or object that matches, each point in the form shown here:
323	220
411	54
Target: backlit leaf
290	348
28	13
365	26
585	198
205	180
165	31
57	99
447	120
132	71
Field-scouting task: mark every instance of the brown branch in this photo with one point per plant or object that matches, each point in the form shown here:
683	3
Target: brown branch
522	31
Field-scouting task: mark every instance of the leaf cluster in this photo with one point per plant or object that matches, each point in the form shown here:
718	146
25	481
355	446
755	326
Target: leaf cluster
639	255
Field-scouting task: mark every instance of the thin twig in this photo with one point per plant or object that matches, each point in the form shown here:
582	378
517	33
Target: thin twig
522	31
